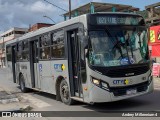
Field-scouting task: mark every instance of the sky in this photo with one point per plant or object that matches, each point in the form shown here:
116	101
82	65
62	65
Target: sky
23	13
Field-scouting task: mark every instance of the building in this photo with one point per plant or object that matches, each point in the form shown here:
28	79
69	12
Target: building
154	42
153	14
153	21
7	36
94	7
38	26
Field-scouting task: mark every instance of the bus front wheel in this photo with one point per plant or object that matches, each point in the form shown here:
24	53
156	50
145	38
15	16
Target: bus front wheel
65	93
22	84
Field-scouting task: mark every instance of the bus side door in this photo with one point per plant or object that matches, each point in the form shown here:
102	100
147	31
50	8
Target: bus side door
34	64
75	66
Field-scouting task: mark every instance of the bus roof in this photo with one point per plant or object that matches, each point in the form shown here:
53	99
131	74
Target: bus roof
61	25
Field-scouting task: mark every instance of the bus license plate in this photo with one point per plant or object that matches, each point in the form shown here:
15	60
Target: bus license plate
131	91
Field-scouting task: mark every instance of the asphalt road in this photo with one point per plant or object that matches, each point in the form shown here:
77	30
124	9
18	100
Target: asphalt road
46	102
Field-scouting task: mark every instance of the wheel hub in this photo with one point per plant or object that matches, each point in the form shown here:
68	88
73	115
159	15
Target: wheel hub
65	92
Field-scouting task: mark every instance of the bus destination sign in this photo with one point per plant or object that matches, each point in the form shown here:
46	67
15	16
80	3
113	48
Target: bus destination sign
106	20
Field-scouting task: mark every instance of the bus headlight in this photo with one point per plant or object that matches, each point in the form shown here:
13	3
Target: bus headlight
96	81
100	83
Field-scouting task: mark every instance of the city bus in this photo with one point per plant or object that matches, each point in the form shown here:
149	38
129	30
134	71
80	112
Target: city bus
92	58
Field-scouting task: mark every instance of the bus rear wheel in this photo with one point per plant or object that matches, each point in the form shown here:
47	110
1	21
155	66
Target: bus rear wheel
65	93
22	84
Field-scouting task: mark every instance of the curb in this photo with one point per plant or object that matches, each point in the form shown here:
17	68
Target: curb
5	101
7	97
21	109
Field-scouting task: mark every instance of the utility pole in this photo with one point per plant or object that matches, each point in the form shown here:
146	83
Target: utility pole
69	9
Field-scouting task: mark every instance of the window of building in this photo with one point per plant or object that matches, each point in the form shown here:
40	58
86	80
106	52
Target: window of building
57	45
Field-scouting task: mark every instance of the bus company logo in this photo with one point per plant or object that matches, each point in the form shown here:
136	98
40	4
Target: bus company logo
129	74
122	82
59	67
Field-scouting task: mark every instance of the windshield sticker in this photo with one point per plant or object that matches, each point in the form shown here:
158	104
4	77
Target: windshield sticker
132	61
124	61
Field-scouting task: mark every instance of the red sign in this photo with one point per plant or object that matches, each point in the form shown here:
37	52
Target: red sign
155	69
154	34
155	50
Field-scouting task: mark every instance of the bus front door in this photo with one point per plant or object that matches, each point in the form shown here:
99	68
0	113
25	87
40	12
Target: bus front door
14	63
34	64
74	63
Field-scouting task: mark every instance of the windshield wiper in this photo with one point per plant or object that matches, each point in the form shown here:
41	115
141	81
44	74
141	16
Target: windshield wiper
130	44
118	45
115	43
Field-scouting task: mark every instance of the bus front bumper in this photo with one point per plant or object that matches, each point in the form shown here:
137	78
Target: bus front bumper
100	95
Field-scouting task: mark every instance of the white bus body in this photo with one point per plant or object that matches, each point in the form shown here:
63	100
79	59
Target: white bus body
42	59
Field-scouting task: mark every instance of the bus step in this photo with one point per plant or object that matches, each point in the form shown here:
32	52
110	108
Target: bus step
77	94
36	89
77	98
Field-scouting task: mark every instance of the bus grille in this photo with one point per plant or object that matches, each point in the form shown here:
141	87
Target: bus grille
123	71
119	91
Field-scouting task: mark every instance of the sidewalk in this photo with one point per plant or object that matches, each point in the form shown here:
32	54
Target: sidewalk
156	81
10	99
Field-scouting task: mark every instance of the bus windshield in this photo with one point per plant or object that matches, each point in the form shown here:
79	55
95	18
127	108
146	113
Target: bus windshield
116	46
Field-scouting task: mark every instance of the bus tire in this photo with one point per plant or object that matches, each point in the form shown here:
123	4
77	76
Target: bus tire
22	84
65	93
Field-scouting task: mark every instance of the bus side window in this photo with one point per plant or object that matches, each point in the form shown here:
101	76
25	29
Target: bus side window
19	51
57	45
8	53
45	46
25	50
